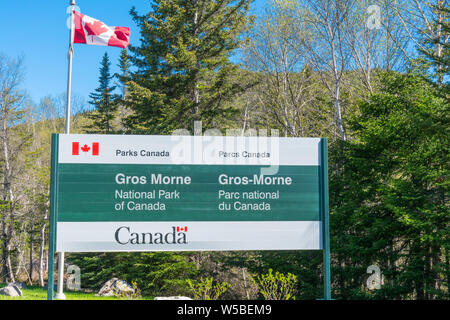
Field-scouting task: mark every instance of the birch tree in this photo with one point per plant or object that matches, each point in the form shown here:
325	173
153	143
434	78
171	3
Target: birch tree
371	32
422	21
288	90
324	47
11	101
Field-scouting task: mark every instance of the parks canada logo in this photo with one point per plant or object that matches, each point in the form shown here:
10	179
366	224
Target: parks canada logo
124	235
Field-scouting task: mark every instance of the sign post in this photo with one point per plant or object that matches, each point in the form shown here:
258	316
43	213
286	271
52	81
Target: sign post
53	217
114	193
325	217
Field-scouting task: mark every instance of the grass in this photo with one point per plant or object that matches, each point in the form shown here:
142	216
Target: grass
37	293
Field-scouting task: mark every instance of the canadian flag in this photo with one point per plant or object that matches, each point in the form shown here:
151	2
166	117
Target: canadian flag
94	32
94	149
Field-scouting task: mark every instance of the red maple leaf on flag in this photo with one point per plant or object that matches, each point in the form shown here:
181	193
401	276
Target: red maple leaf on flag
95	28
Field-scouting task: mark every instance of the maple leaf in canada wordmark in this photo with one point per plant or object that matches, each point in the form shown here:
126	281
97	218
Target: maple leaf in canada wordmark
86	148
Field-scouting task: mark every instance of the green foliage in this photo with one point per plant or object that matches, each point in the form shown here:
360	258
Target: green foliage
104	100
205	289
437	49
123	76
128	295
184	73
124	66
306	265
278	286
155	273
389	193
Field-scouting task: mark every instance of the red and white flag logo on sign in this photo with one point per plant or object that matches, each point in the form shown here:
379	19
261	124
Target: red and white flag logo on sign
94	149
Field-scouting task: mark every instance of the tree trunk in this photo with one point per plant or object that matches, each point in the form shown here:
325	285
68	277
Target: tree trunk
30	272
4	251
337	106
337	75
245	284
436	263
20	262
447	267
438	36
8	274
195	91
8	198
9	266
41	248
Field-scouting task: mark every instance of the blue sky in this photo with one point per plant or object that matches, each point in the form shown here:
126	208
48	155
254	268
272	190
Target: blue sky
37	30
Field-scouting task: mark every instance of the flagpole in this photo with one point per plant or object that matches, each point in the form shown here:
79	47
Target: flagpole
69	77
60	294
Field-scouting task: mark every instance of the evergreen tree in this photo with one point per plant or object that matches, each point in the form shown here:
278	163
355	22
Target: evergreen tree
389	199
104	100
123	76
184	73
156	273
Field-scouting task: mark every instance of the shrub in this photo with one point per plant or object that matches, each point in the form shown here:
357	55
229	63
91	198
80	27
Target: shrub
276	286
205	289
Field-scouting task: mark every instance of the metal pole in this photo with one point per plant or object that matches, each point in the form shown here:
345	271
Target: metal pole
52	228
325	219
60	294
69	75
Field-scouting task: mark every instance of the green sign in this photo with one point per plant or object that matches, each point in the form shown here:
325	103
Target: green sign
183	193
131	192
